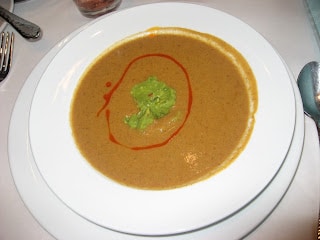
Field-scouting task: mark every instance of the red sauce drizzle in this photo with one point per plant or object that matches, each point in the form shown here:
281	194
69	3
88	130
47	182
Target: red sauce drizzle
108	84
107	98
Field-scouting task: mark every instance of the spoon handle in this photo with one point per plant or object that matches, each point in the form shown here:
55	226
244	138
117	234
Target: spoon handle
27	29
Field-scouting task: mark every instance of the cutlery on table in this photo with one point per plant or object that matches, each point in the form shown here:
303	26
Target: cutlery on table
6	50
309	86
27	29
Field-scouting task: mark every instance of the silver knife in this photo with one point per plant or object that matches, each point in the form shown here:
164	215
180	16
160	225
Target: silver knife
27	29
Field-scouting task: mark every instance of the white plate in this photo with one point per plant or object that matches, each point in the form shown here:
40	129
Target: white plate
105	202
6	4
65	224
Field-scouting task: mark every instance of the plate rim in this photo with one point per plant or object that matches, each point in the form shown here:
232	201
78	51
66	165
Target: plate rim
153	231
53	224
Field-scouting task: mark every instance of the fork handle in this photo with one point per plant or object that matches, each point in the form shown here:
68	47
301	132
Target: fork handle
27	29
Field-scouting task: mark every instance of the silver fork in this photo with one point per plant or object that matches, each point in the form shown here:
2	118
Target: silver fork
6	50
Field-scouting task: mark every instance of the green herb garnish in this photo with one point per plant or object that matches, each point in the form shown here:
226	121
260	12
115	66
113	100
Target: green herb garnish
154	100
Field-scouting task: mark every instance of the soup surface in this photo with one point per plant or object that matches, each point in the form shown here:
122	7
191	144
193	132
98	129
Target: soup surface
207	127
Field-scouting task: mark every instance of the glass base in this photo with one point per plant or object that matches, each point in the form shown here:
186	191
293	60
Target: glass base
96	8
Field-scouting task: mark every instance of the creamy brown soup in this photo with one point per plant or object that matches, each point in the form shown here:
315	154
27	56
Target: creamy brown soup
204	132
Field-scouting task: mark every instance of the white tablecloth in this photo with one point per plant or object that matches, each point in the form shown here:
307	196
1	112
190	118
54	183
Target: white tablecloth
284	23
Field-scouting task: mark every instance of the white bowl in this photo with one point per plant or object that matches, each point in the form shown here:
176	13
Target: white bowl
125	209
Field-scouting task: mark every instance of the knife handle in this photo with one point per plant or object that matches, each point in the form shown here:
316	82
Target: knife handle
27	29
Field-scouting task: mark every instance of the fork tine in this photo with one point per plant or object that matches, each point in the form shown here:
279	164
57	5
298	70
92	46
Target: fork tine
10	51
6	53
2	47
